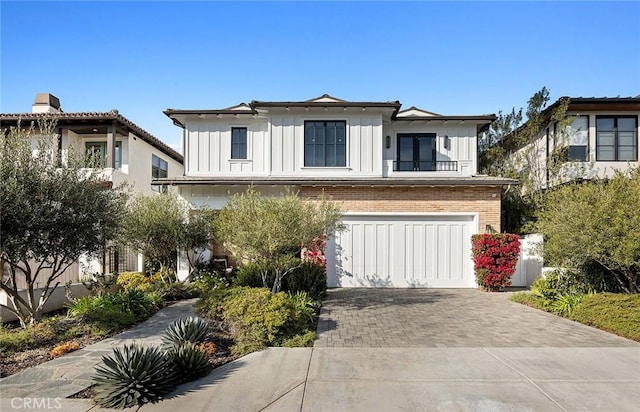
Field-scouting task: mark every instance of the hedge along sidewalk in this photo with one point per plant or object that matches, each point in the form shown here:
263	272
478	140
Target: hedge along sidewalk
73	372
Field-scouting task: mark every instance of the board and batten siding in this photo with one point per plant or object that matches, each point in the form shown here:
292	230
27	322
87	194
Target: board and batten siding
208	146
462	138
364	145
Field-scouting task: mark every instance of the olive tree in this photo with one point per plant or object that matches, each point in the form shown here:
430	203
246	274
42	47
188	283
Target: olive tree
596	222
273	229
159	225
52	212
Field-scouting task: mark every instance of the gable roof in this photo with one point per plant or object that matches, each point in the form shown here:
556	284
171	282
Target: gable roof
415	111
328	101
80	118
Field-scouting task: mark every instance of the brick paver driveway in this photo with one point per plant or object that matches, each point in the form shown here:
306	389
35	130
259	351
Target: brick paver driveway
375	318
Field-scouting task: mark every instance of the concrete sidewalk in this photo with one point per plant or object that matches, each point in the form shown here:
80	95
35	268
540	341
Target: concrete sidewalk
404	379
425	379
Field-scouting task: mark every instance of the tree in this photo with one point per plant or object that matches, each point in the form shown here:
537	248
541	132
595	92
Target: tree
513	148
159	225
596	222
274	229
52	212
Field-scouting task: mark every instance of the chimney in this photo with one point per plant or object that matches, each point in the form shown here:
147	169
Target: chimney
46	103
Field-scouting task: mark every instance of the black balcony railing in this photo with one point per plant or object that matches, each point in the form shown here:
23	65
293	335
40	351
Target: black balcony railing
431	166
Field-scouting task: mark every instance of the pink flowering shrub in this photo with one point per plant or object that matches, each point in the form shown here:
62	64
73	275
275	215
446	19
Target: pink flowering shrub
315	252
495	257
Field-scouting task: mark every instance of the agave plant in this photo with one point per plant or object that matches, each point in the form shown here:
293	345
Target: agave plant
189	361
134	376
192	329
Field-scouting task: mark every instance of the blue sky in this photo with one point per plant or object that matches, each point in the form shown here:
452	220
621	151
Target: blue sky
450	58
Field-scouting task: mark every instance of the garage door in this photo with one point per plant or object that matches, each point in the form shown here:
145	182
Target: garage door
402	251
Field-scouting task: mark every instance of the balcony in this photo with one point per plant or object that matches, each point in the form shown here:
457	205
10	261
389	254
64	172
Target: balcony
425	166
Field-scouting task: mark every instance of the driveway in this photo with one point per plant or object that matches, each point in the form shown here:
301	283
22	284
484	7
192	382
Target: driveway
446	318
419	350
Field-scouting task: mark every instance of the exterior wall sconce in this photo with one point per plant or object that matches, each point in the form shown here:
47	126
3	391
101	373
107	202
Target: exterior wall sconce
447	142
388	142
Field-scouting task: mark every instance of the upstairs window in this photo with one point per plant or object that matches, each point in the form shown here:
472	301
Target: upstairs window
616	138
325	144
578	139
97	151
159	167
238	142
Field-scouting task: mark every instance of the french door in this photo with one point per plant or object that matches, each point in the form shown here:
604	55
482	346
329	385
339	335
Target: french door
416	152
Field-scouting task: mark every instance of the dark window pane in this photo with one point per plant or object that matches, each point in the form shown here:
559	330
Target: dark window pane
239	143
627	153
605	123
605	153
405	149
626	124
577	153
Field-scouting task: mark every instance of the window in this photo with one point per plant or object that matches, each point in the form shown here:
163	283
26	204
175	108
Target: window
325	144
616	138
98	151
159	167
238	142
416	152
578	139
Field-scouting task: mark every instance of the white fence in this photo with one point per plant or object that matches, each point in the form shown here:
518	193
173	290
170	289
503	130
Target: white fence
530	262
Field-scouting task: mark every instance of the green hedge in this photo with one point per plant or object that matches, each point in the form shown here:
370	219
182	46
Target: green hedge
309	277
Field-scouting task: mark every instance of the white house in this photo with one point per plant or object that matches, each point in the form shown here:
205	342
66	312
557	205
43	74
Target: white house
128	153
405	179
602	138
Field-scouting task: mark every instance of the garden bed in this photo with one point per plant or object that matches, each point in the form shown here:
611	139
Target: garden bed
615	313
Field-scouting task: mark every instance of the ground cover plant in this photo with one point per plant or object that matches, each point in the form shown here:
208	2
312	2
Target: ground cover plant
568	294
104	313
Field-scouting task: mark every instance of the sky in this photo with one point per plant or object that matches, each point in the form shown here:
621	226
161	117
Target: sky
447	57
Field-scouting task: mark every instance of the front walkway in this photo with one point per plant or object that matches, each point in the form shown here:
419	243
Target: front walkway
71	373
433	318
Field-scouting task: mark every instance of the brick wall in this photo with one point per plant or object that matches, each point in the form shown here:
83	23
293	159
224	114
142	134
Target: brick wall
477	199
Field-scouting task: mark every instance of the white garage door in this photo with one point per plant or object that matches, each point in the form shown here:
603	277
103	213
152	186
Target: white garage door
402	251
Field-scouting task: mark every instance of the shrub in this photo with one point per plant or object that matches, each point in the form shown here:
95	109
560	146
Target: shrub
175	291
64	348
120	308
133	281
133	376
301	340
250	275
188	361
205	281
560	282
615	313
495	257
596	221
308	277
305	307
101	283
258	318
564	305
192	329
211	303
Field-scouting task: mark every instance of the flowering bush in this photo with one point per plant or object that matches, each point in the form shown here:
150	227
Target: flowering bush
495	257
314	253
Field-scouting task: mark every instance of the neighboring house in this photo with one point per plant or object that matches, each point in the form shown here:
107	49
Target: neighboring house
602	138
127	152
405	179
